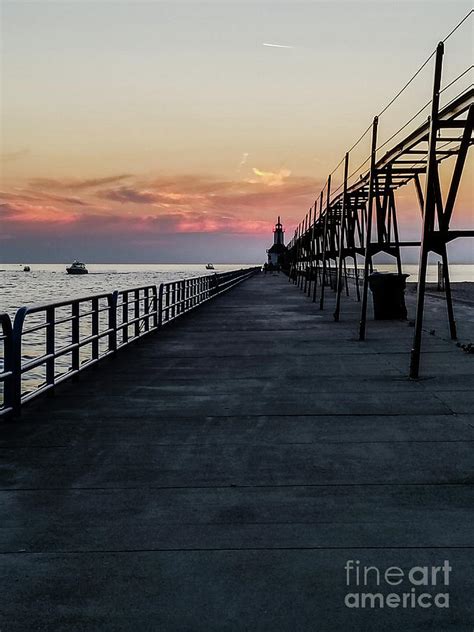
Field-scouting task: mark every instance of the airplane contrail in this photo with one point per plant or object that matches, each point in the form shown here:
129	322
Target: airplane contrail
277	45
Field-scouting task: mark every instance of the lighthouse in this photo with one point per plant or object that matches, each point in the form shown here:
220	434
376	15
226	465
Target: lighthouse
277	251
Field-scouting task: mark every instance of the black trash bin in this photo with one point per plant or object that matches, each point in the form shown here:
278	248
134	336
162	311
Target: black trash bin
388	292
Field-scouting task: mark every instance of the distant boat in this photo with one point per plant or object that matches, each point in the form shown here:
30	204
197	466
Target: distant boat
26	269
209	266
77	267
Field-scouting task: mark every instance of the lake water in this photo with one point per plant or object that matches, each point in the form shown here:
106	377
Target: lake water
50	282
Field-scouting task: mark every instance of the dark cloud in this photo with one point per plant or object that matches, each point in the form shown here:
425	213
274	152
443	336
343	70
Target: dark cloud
76	183
129	194
40	196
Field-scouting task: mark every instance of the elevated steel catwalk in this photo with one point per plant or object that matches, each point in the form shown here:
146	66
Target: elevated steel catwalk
360	218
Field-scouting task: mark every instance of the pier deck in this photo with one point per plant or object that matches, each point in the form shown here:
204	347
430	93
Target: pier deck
218	475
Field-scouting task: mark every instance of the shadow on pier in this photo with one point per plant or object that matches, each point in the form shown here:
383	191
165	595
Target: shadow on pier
219	475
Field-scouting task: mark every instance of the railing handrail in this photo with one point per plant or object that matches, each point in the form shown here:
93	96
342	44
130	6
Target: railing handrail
135	289
143	309
174	304
211	275
39	307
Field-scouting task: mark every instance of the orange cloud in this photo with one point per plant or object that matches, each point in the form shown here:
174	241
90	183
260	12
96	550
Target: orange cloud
270	178
165	204
272	193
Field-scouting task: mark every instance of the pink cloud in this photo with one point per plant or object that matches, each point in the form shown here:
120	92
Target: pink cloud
165	204
24	213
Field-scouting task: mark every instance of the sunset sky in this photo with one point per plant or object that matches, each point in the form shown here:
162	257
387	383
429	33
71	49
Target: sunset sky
173	132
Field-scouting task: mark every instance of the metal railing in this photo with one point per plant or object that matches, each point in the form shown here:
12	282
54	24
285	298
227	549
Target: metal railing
50	343
178	297
6	373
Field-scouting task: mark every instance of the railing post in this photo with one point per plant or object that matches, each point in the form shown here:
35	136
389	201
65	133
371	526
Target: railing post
16	359
50	345
95	328
146	309
160	306
125	316
136	312
7	361
154	306
172	301
113	300
75	336
215	285
167	302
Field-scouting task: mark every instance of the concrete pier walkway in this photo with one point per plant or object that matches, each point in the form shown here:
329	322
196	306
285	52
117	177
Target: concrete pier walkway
218	476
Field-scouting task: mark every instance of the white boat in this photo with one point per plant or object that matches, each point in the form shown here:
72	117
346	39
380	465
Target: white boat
209	266
77	267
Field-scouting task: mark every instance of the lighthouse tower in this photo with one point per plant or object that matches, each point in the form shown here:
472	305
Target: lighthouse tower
277	251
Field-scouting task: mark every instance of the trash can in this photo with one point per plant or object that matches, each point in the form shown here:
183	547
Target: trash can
388	292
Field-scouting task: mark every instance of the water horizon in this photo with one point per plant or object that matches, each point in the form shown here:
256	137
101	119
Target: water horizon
49	282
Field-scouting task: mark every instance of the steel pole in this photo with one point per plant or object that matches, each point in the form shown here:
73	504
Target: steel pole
368	238
341	258
428	215
325	230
